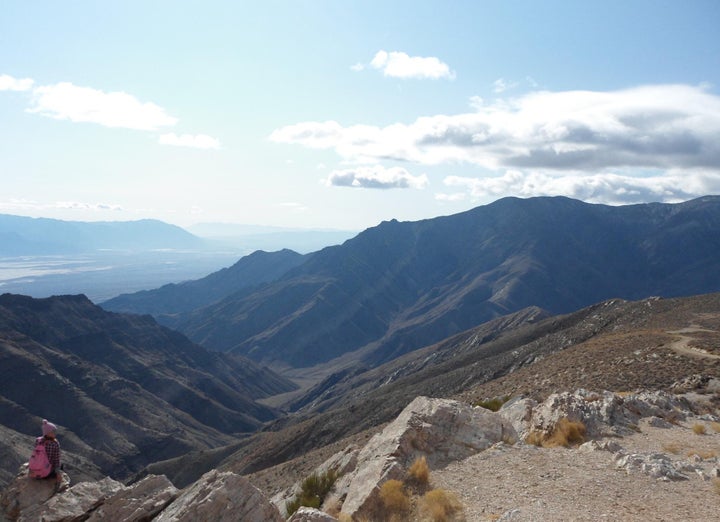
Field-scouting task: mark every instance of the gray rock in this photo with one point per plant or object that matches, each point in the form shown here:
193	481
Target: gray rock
306	514
73	504
141	501
221	497
441	430
656	465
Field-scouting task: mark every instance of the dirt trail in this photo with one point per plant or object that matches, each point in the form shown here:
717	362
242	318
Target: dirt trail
682	344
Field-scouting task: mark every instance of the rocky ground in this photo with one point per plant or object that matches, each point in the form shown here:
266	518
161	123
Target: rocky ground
527	483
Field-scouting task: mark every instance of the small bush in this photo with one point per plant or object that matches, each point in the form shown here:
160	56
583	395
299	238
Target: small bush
493	404
673	447
698	428
566	433
313	491
715	426
705	455
716	483
419	473
440	505
394	498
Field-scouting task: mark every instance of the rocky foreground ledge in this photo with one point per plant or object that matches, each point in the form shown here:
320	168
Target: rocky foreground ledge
478	459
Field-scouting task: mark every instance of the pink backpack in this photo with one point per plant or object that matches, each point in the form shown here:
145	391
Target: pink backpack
39	463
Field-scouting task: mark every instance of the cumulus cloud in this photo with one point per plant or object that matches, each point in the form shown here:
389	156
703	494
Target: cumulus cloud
660	126
196	141
8	83
607	188
400	65
65	101
377	177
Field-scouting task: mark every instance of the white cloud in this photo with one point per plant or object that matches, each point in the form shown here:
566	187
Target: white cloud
76	205
357	67
196	141
65	101
378	177
401	65
596	188
501	85
649	127
8	83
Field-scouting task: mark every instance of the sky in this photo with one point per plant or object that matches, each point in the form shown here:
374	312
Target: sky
342	114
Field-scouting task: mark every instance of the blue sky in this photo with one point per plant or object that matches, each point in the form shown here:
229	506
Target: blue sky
342	114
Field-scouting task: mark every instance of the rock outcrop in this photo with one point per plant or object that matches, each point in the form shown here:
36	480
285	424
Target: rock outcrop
221	497
216	496
441	430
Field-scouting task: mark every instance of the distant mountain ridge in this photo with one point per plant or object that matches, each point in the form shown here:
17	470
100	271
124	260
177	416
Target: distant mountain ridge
254	269
21	235
399	286
124	390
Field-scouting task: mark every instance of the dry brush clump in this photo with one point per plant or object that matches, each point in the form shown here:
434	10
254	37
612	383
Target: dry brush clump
440	505
395	500
419	474
699	429
566	433
715	426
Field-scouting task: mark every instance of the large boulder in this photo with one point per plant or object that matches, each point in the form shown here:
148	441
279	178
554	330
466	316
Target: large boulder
73	504
221	497
141	501
441	430
23	493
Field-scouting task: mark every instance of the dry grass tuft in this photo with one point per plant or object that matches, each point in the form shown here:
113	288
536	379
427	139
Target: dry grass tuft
566	433
673	447
419	473
705	455
394	498
440	505
716	484
699	428
715	426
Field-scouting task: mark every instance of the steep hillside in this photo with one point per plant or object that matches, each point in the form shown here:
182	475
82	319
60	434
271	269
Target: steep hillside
615	345
21	236
400	286
254	269
124	390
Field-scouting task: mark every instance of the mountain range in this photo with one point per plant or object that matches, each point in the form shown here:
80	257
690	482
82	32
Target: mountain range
124	390
22	236
403	285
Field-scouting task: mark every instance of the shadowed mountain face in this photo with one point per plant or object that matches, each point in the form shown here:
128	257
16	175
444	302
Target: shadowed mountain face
124	390
259	267
400	286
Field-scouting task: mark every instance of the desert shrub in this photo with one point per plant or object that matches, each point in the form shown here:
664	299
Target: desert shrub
698	428
705	455
716	484
673	447
394	498
419	473
715	426
313	491
565	433
439	505
493	404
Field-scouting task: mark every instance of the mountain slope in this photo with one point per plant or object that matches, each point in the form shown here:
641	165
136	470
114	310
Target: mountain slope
400	286
41	236
254	269
616	345
124	390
